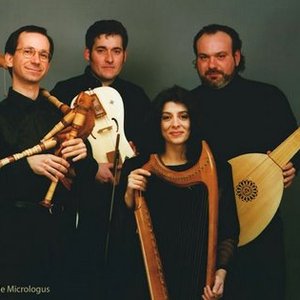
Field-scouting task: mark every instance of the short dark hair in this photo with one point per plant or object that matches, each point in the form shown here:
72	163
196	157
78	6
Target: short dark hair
156	141
107	27
235	38
12	42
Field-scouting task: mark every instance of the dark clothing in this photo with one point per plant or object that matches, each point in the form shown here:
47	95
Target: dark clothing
180	224
136	102
94	213
249	117
33	242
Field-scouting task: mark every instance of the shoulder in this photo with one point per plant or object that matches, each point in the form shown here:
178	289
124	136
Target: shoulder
196	89
4	105
129	88
135	162
66	90
70	81
258	85
128	84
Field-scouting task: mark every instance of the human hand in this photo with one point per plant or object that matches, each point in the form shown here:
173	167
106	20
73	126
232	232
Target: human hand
104	173
133	147
48	165
218	288
136	181
289	173
74	148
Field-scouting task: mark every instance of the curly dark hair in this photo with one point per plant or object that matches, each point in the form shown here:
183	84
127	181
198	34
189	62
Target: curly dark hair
156	142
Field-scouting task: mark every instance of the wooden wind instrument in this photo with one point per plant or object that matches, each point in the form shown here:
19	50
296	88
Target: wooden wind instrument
204	171
49	141
45	145
74	118
84	103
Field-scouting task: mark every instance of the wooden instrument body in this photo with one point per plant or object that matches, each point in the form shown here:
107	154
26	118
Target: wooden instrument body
107	125
258	186
204	171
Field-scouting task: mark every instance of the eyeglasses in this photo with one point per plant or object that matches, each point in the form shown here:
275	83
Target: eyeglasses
30	52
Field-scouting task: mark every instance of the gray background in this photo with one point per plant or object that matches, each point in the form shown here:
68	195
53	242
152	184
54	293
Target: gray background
160	54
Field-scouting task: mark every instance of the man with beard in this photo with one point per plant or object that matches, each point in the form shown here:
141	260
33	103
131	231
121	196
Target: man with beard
239	116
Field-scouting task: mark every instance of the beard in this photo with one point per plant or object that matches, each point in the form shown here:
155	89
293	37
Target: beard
219	82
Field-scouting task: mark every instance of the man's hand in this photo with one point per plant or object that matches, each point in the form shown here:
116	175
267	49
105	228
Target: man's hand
75	149
48	165
289	173
104	173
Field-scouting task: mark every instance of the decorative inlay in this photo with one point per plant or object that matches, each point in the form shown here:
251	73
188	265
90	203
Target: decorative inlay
246	190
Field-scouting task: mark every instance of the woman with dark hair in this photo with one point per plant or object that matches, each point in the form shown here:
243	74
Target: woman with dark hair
180	214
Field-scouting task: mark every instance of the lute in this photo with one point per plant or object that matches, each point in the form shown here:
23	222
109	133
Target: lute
258	186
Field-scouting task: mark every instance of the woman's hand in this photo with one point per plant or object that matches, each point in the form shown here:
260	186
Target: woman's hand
217	291
136	181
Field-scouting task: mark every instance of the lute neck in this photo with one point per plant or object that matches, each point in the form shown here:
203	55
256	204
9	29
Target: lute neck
287	149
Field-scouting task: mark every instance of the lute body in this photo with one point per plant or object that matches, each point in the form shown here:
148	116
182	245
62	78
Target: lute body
258	186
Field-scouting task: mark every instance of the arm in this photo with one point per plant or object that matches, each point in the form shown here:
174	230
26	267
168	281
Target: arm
228	233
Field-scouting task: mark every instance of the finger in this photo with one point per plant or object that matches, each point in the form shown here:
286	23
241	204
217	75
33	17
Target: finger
79	157
141	172
72	149
288	166
51	177
136	184
79	153
53	159
55	172
72	142
48	172
60	165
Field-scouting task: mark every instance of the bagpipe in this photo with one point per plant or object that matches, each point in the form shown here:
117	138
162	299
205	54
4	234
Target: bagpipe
76	122
96	114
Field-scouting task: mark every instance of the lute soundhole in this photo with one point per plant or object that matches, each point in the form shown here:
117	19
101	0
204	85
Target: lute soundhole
246	190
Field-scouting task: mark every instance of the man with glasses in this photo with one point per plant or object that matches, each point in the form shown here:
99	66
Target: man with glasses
30	52
33	239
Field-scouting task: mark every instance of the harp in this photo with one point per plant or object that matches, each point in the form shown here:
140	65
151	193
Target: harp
204	171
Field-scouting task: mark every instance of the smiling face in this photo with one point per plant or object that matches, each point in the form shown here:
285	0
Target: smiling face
29	70
107	57
175	123
215	61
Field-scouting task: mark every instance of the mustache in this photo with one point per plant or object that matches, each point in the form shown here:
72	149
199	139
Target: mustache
214	71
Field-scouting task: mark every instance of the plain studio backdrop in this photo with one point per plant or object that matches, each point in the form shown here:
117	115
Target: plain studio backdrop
160	54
